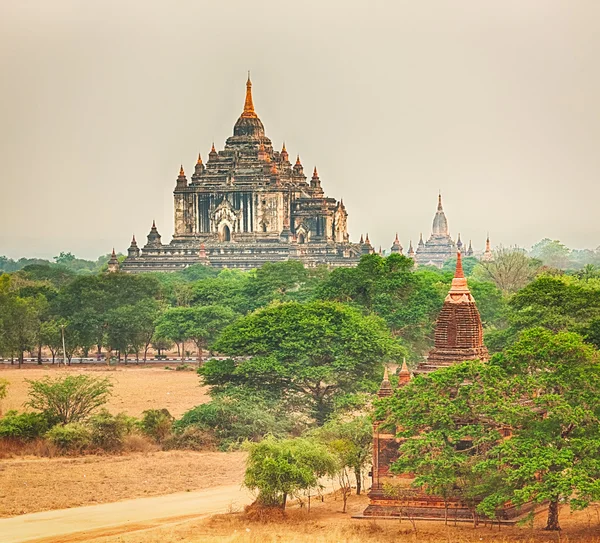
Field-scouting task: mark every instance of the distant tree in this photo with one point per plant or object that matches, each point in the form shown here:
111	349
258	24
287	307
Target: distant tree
51	336
510	270
552	253
20	323
308	355
68	399
279	469
200	324
64	258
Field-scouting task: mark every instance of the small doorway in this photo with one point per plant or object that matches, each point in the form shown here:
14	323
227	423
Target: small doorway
225	233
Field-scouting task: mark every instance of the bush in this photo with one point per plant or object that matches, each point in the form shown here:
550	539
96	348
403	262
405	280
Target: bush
3	391
69	399
157	424
70	437
192	439
108	431
23	425
234	420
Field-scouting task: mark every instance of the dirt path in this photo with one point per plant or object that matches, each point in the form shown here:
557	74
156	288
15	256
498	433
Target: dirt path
82	523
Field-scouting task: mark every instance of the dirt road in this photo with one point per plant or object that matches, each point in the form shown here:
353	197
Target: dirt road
85	523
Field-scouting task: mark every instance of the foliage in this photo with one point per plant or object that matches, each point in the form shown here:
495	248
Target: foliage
233	420
281	468
157	424
407	300
552	253
23	425
200	324
108	431
72	437
306	355
350	441
468	264
4	383
544	390
69	399
510	269
191	438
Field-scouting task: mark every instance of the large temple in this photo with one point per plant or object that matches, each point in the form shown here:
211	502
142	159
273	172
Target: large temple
458	337
246	206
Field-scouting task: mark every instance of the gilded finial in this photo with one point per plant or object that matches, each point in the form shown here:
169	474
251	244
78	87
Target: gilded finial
199	159
298	163
248	104
315	173
212	149
181	172
283	149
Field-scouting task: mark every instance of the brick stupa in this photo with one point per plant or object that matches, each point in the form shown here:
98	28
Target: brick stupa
458	330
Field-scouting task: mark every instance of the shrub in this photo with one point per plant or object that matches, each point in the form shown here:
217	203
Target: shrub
70	437
234	420
138	443
3	391
69	399
191	438
280	468
157	424
23	426
109	431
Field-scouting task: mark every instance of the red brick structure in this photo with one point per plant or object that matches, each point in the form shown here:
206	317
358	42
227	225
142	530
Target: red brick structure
458	337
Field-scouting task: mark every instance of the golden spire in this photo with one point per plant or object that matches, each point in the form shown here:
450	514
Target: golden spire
181	172
212	149
315	173
283	149
248	104
199	159
298	160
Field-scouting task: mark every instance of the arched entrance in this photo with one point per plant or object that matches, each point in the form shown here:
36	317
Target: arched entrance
225	233
301	238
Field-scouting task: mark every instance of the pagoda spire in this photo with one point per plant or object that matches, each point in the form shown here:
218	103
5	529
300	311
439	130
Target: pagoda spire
404	374
249	104
199	159
385	390
439	207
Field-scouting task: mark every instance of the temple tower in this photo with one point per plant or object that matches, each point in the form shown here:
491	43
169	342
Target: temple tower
458	330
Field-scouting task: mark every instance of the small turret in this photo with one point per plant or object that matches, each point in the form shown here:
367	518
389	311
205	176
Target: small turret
202	256
213	155
404	375
262	153
199	169
134	250
284	154
154	237
396	246
421	242
315	182
385	389
298	170
469	250
181	179
459	243
113	263
487	255
362	240
411	251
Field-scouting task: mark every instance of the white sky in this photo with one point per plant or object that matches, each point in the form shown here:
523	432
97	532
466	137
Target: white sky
494	103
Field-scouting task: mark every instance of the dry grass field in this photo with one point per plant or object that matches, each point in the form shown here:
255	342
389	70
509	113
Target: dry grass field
135	388
40	484
326	524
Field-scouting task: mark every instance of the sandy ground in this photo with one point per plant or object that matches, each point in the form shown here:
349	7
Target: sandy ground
183	518
41	484
135	388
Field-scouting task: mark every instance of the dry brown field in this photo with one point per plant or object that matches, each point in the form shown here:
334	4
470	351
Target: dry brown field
135	388
40	484
326	524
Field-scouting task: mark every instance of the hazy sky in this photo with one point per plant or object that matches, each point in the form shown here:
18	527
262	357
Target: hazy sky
494	103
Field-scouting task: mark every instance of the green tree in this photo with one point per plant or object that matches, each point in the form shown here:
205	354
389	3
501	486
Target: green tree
200	324
351	441
307	355
3	391
552	253
51	336
553	410
68	399
510	270
277	469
